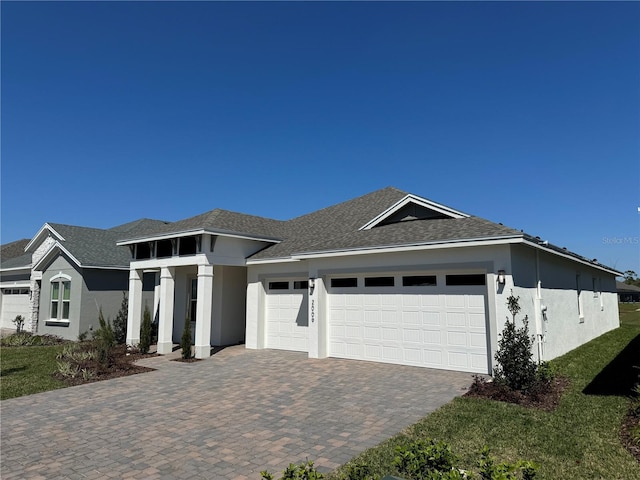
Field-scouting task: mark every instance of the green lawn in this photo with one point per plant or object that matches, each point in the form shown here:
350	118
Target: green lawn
27	370
580	439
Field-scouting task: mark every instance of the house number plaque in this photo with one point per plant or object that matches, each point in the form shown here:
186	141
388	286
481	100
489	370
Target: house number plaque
313	310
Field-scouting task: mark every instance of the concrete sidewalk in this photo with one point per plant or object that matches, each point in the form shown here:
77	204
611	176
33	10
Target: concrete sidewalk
226	417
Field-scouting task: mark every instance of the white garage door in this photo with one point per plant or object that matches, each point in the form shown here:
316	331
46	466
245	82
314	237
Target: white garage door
286	314
436	321
15	301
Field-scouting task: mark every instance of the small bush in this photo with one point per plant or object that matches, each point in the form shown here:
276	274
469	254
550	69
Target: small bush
358	471
104	339
185	341
303	471
19	323
490	470
515	365
425	459
145	331
27	339
120	322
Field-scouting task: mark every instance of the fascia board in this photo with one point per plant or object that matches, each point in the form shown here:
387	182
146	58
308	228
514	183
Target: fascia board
571	257
49	253
35	238
272	260
26	268
185	233
417	200
472	242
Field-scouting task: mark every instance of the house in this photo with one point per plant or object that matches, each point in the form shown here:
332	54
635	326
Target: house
65	275
15	273
386	277
628	293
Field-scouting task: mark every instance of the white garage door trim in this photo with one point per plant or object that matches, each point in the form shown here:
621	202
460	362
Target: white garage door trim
438	325
286	314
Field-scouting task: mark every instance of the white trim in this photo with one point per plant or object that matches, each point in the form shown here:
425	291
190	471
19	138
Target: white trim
423	202
259	261
47	255
15	269
187	233
46	226
60	275
15	285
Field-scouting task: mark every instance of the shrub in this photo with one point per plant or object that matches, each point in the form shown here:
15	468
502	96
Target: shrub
303	471
490	470
425	459
515	365
358	471
185	341
27	339
104	339
145	331
120	322
18	322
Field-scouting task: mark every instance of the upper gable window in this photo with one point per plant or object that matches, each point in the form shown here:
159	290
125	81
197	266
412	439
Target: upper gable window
411	212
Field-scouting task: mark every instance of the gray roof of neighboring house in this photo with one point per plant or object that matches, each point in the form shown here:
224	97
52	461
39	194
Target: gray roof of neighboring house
97	247
625	288
12	254
217	221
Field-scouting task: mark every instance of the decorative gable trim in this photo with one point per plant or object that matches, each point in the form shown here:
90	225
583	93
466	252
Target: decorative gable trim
422	202
57	246
45	230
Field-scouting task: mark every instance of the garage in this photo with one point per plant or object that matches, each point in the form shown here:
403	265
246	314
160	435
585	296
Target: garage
15	301
287	322
424	319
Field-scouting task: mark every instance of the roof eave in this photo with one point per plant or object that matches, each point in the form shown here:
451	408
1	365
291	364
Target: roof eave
198	231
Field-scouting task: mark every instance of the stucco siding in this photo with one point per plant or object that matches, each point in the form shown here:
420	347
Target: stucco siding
102	289
46	325
234	291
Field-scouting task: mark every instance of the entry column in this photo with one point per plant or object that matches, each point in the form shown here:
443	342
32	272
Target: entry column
203	311
135	307
165	317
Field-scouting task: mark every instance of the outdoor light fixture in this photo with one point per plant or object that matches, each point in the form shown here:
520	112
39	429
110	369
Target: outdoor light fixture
501	277
312	283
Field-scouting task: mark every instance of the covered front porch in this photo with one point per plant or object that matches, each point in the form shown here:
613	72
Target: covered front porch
211	297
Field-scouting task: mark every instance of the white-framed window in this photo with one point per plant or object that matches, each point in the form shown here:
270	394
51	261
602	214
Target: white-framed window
60	297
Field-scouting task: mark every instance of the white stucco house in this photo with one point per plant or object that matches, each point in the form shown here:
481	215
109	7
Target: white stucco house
386	277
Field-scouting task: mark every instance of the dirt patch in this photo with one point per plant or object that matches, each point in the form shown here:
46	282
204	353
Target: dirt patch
545	397
186	360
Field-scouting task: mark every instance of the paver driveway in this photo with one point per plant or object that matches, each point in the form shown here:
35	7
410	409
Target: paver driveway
230	416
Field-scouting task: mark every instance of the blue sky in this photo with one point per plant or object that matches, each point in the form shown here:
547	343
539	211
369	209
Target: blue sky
523	113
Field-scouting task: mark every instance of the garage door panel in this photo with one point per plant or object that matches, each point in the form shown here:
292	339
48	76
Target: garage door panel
287	318
443	327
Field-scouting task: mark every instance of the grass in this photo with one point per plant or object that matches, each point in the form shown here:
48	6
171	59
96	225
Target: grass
580	439
27	370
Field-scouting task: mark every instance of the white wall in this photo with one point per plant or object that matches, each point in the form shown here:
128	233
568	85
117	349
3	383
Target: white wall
564	327
233	301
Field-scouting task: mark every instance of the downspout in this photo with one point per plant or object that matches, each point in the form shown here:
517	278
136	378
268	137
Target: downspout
538	310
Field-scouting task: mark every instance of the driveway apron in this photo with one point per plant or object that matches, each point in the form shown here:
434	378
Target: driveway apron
226	417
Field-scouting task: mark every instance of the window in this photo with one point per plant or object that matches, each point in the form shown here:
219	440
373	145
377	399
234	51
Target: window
344	282
193	300
278	285
60	298
419	281
143	251
379	282
187	246
457	280
15	291
301	285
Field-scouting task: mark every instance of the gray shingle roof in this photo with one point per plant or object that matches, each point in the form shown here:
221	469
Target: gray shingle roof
338	228
12	254
624	288
97	247
218	221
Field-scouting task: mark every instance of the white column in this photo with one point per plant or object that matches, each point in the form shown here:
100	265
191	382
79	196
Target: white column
165	319
135	307
317	324
156	295
203	311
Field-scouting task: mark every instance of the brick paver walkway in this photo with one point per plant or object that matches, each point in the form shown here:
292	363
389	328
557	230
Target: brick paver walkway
227	417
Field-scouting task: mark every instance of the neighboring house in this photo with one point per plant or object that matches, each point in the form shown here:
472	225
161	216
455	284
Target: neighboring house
388	277
628	293
70	273
15	272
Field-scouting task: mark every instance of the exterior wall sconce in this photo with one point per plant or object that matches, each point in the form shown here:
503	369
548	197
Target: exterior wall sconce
501	277
312	284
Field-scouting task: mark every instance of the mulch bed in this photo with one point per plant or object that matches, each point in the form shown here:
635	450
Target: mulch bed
631	421
121	364
542	398
186	360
